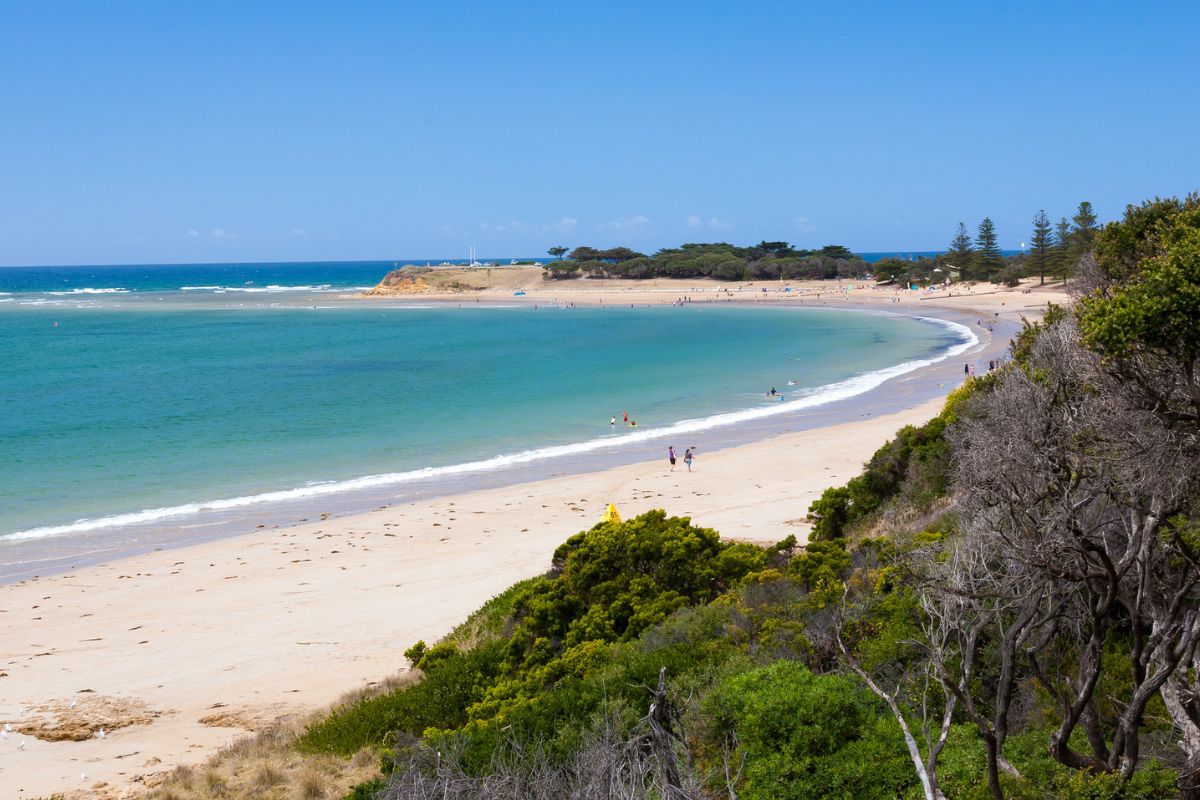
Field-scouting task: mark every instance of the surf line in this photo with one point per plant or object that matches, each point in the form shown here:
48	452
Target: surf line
811	398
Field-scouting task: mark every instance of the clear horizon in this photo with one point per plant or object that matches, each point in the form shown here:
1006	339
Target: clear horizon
146	134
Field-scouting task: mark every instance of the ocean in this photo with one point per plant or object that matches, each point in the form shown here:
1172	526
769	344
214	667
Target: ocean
134	408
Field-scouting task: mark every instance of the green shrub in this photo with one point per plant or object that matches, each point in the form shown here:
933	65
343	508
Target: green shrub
439	700
367	791
808	736
619	579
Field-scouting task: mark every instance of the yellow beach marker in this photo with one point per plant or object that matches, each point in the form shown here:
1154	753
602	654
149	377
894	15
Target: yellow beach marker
610	514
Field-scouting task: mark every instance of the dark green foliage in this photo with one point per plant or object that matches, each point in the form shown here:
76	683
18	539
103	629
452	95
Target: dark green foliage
962	250
439	700
921	271
808	736
559	270
716	260
987	260
1061	255
830	513
371	789
1084	230
1041	245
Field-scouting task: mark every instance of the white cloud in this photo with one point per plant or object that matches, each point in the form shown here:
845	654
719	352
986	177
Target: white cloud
501	227
804	225
193	232
563	225
301	232
626	223
221	233
712	222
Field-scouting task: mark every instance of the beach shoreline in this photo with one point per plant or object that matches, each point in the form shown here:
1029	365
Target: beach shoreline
283	620
45	552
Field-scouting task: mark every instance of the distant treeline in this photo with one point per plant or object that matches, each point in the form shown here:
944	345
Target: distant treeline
720	261
1053	250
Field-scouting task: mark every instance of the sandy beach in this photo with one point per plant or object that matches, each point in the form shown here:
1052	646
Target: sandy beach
526	285
178	652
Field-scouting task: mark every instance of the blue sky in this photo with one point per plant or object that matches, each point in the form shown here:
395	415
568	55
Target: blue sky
238	131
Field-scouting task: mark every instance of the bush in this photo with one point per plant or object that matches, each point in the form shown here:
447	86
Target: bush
439	700
558	270
618	579
808	736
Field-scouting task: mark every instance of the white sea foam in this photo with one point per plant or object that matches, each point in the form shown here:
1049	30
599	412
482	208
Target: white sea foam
271	287
811	398
89	290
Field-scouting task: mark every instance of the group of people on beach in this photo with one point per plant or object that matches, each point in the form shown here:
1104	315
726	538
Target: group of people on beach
688	455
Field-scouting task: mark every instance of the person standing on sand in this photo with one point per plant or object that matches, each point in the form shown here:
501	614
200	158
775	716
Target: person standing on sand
687	458
671	456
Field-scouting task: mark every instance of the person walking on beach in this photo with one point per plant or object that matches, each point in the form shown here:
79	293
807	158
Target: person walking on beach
671	456
687	458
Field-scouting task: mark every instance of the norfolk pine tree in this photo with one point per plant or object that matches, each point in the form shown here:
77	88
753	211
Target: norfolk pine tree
987	252
1062	247
961	251
1083	235
1041	244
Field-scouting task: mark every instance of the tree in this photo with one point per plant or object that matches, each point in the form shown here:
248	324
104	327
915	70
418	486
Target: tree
1062	247
557	252
988	260
1083	235
585	253
777	249
1075	480
1041	245
910	696
962	251
836	251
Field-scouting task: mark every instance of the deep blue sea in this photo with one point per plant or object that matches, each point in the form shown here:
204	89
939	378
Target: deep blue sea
159	403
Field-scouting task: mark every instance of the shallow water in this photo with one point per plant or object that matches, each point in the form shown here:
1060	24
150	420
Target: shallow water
129	415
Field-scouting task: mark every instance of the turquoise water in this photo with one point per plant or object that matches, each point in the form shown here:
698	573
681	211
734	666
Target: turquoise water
108	410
